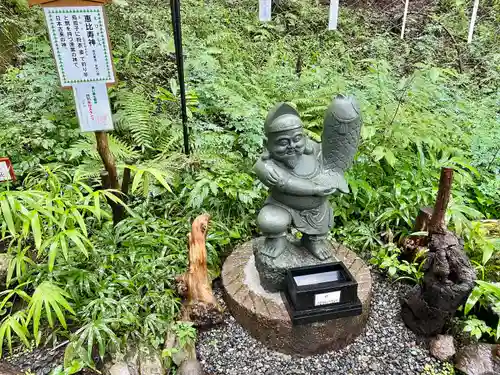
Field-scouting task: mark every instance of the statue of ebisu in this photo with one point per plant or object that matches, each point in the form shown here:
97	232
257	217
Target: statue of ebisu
301	173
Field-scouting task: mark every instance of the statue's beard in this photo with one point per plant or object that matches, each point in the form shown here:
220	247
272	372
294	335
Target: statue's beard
290	160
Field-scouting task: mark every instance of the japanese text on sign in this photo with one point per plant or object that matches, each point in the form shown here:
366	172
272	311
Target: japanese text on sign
92	107
327	298
80	44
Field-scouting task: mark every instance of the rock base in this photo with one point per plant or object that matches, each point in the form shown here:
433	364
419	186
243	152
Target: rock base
264	315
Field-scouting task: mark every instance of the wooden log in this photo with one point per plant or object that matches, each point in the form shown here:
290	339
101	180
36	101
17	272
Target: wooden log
423	219
200	305
105	179
126	179
426	221
448	280
118	211
109	177
437	224
107	159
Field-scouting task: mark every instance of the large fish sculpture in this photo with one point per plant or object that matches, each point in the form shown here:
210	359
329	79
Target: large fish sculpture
339	141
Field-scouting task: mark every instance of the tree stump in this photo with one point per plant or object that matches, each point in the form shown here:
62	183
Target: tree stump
200	305
423	219
414	244
448	274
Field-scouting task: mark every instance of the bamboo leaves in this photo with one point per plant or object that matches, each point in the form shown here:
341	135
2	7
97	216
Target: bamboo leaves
62	239
143	176
53	220
37	231
14	322
487	294
51	298
7	215
97	332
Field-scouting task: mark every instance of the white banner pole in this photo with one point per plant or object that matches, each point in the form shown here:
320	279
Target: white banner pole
265	10
405	16
473	21
334	15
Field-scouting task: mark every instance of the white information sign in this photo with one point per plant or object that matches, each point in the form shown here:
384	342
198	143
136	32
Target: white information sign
327	298
80	44
4	171
265	10
92	107
334	15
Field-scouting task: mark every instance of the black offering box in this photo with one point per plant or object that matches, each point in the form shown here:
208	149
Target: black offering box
322	292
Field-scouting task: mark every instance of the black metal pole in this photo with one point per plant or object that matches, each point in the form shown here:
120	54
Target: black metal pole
175	8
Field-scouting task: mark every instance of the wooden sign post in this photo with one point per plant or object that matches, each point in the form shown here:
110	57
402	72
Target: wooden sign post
82	52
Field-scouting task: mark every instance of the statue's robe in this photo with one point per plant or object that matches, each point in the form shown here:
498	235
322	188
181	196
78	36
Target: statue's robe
310	214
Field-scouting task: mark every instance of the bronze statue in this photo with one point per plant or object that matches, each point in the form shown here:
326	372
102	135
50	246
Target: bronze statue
301	174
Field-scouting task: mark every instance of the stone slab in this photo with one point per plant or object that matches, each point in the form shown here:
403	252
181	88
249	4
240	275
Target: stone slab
263	314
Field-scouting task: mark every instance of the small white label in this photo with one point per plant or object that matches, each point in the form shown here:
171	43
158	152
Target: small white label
4	172
326	298
318	278
334	15
92	107
265	10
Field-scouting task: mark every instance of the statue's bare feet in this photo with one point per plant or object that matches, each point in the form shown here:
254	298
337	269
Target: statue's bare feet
317	246
273	247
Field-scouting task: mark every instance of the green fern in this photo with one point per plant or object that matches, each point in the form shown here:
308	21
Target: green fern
169	136
120	149
89	168
87	147
134	115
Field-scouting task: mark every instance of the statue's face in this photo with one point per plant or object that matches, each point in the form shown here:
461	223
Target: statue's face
287	146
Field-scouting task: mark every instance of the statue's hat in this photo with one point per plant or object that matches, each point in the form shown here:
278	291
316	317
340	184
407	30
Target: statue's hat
282	117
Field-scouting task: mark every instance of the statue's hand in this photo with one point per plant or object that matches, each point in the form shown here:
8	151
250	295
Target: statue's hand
323	191
274	178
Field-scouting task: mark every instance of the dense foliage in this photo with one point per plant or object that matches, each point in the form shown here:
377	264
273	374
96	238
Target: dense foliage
428	101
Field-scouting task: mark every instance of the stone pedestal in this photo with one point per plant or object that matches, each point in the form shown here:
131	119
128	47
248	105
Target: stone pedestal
265	317
272	271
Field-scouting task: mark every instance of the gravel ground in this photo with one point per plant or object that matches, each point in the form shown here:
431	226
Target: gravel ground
385	347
